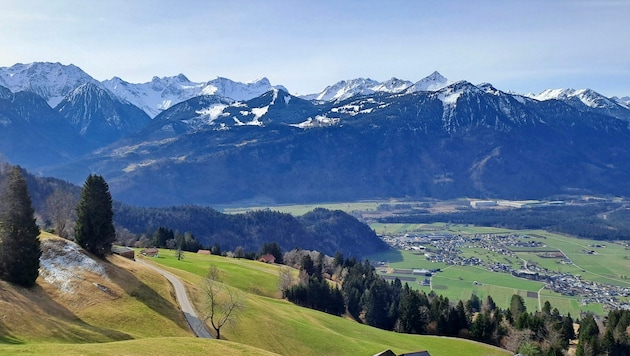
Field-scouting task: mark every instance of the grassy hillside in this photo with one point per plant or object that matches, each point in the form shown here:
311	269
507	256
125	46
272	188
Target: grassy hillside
124	303
131	310
276	325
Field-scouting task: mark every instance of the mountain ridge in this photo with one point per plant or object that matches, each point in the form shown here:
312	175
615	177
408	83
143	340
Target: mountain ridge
442	139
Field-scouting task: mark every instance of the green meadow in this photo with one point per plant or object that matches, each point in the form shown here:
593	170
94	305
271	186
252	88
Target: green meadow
275	325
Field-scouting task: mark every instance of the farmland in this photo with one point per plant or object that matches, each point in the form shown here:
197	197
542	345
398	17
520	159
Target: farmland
482	261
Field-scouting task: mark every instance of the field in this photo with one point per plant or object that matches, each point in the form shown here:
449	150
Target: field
607	263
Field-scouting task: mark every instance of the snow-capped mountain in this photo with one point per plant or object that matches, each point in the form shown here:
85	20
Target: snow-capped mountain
345	89
213	112
99	116
361	86
623	101
394	85
434	81
51	81
586	99
161	93
157	95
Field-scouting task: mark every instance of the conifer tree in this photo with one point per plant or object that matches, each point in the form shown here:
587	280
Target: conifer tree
95	217
19	234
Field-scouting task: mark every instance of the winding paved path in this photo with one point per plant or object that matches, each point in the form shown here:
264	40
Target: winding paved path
196	324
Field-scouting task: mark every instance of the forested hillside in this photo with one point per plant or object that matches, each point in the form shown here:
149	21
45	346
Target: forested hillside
323	230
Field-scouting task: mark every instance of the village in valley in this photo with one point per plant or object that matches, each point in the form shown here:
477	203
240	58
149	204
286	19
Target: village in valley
519	255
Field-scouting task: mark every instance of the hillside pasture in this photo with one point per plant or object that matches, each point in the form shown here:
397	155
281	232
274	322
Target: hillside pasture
278	326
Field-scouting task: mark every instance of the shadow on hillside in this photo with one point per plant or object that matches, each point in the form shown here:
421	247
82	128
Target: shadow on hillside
6	337
390	256
63	323
137	289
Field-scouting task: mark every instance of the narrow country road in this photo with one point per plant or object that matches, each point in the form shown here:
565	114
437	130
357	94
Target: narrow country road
196	325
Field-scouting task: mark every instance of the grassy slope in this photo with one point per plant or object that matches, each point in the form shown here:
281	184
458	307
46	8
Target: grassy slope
276	325
130	319
136	301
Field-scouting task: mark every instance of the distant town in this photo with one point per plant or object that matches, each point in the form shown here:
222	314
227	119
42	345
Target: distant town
447	248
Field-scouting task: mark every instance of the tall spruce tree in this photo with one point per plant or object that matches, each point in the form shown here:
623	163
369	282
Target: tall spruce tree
95	218
19	234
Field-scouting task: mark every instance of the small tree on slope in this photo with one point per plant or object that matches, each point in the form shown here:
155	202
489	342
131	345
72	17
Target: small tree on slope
19	234
95	217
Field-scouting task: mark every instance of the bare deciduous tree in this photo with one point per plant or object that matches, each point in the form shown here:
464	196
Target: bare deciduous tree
285	280
223	302
61	209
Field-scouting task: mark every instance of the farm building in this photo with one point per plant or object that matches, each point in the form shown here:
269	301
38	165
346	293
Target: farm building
268	258
124	251
204	252
150	252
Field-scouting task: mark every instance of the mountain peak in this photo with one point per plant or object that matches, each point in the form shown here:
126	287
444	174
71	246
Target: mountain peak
433	82
52	81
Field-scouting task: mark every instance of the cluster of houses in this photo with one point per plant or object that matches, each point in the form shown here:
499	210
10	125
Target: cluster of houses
448	249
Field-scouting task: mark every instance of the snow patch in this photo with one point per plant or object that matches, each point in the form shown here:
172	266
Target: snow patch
259	112
62	263
318	121
212	112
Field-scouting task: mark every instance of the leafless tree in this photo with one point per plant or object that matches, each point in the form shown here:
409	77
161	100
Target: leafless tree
62	211
179	253
286	279
223	302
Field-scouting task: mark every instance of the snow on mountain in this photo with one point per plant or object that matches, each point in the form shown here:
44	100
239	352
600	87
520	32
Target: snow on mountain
586	100
157	95
393	85
623	101
345	89
161	93
588	97
237	91
433	82
52	81
348	88
100	116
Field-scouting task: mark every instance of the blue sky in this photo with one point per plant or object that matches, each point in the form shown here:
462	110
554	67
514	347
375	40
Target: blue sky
524	46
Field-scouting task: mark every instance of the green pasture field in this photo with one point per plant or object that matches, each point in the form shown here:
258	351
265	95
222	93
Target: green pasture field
609	264
460	284
278	326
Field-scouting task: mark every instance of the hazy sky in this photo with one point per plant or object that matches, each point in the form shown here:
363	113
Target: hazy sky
524	46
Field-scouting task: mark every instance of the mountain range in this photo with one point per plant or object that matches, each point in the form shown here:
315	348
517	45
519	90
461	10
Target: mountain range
172	141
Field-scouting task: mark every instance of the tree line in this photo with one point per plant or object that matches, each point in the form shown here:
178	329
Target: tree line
356	289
